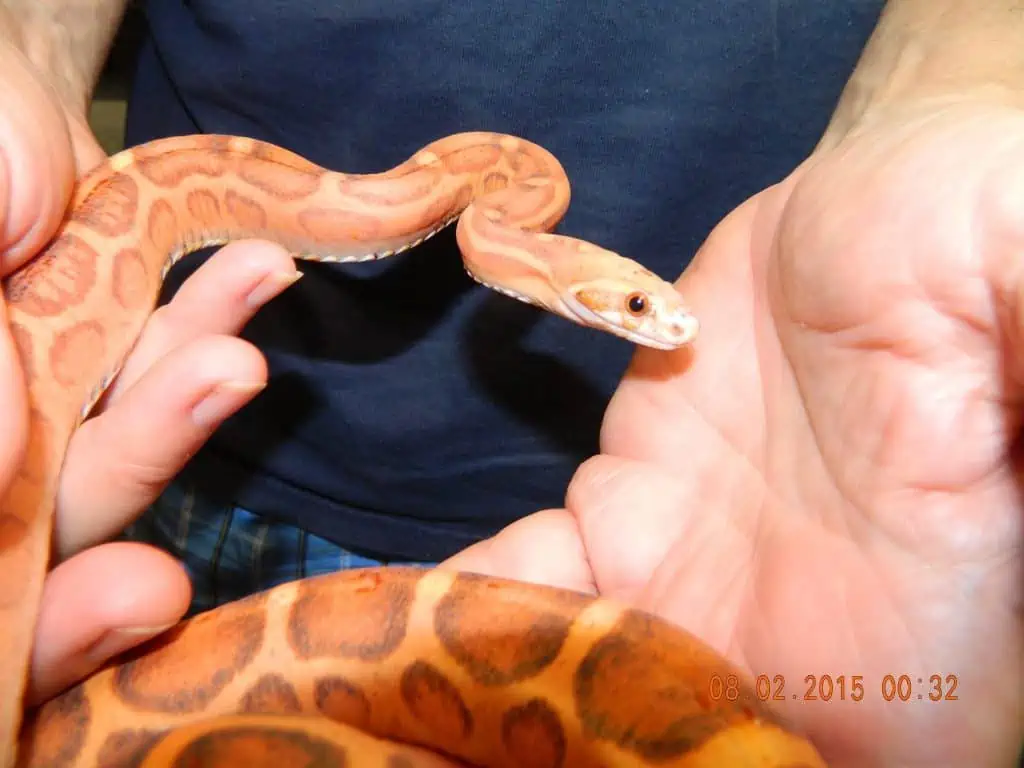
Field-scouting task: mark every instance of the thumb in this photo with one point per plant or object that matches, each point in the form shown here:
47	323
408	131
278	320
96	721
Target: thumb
13	409
77	633
37	167
1003	244
666	542
628	515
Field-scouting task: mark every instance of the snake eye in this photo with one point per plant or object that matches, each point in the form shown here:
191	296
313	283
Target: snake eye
637	304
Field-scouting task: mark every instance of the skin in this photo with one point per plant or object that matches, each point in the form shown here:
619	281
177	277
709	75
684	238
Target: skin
827	482
188	373
393	210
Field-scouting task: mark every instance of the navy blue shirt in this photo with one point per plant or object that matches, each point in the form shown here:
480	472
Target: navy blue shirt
410	411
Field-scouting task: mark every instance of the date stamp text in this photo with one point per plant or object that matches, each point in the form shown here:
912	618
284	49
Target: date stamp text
895	688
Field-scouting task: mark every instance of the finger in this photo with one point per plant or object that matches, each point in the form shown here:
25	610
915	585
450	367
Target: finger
628	517
98	604
219	298
119	462
13	408
543	548
633	514
37	170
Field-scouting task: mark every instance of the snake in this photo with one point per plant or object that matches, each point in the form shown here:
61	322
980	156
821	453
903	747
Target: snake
390	666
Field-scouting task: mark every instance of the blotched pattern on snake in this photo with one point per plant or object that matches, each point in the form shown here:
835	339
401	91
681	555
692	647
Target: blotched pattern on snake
393	667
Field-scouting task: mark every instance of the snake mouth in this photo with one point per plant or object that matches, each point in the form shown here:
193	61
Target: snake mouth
579	313
647	341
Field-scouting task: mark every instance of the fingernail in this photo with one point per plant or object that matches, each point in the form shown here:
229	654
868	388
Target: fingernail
223	400
122	639
270	286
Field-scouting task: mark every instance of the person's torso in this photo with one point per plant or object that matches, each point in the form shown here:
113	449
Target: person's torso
411	411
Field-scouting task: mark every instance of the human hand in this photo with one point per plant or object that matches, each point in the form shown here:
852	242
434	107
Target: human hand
186	375
827	483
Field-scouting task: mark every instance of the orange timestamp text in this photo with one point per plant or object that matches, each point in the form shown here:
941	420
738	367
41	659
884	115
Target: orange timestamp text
836	687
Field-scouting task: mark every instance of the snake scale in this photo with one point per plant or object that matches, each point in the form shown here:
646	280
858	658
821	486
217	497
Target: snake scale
378	667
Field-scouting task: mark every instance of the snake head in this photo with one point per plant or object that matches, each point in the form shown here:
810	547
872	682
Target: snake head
638	306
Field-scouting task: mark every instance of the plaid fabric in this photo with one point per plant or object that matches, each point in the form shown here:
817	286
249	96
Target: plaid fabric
230	552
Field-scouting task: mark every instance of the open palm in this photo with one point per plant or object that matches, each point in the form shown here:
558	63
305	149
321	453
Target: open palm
826	484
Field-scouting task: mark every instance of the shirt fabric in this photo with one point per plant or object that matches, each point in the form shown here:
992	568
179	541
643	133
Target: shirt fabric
412	412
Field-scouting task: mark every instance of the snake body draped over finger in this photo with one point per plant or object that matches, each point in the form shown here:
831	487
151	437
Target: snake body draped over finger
494	672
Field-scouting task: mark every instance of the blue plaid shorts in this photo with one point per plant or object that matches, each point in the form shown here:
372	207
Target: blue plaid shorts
230	552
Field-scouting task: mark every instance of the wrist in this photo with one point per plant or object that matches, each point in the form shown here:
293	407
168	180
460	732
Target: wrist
928	55
65	41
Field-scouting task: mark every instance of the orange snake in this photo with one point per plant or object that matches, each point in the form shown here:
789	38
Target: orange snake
386	666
